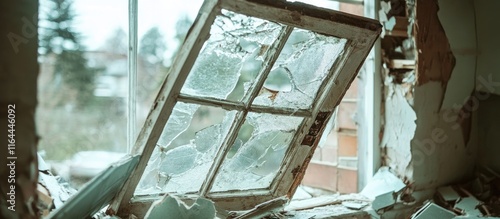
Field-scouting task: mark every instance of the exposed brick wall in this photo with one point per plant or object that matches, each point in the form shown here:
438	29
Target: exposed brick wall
324	171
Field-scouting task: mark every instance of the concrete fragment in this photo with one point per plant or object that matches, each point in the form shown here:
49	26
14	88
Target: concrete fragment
385	6
56	191
448	193
431	210
389	25
44	200
356	205
301	194
42	166
384	201
382	16
173	207
382	182
470	206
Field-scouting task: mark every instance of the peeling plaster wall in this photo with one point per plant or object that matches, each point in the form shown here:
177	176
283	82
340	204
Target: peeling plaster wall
445	142
440	154
430	138
399	127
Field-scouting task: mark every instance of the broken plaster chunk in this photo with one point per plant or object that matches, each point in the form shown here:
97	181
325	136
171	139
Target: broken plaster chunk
389	25
173	207
382	182
431	210
384	201
385	6
382	16
42	166
356	205
470	206
448	193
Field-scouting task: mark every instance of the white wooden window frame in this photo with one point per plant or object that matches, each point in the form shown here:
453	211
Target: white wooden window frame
360	34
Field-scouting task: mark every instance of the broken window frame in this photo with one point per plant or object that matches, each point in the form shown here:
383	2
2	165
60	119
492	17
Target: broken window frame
360	34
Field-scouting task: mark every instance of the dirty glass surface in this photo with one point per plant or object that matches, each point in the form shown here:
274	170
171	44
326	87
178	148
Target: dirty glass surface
232	57
300	69
256	155
186	149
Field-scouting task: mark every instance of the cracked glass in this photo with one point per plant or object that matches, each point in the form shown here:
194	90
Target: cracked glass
304	63
186	149
231	58
257	153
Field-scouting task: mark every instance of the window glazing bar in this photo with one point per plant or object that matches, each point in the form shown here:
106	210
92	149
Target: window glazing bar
271	57
132	74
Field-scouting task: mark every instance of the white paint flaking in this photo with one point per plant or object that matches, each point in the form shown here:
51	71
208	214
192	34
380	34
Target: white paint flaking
399	128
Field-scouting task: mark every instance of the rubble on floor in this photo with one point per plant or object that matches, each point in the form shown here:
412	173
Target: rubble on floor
52	190
269	209
478	198
329	206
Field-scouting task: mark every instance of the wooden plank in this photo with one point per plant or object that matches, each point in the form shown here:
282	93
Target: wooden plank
402	63
397	33
166	99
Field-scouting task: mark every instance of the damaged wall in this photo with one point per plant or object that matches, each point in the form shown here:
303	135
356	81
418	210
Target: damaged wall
429	137
446	46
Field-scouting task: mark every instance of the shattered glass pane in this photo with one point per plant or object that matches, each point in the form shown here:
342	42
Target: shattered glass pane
256	155
231	57
186	149
300	69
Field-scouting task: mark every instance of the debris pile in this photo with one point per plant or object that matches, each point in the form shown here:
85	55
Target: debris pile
479	198
52	190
